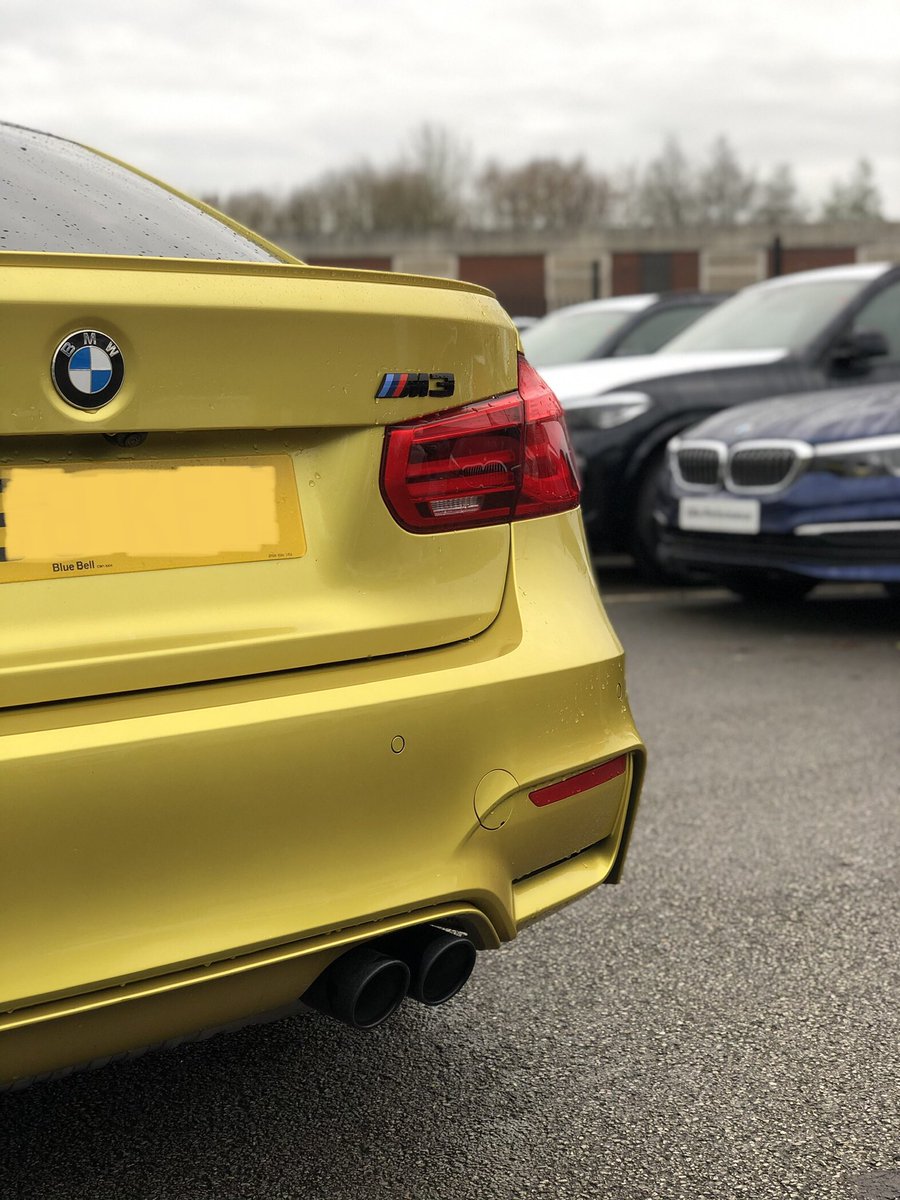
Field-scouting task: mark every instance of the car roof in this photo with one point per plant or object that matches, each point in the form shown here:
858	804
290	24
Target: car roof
859	271
639	302
634	303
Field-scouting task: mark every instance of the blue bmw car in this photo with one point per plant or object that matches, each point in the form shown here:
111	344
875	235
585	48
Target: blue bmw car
776	496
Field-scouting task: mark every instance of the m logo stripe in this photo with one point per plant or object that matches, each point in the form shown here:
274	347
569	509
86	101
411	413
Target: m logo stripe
386	384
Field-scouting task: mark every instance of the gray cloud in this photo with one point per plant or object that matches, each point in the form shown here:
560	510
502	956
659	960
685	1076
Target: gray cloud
272	92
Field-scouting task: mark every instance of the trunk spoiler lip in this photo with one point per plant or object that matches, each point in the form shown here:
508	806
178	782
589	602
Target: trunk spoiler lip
213	266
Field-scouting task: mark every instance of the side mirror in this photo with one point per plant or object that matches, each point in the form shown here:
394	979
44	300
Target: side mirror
860	345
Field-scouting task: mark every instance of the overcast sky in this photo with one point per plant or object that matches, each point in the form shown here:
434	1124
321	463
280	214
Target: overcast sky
222	95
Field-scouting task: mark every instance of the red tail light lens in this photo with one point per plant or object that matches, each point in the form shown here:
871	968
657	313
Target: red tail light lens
488	463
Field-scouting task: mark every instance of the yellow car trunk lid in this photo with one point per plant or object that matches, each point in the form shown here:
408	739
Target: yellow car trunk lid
221	515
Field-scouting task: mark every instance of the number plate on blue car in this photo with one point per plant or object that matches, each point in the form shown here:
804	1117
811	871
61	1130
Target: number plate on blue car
718	514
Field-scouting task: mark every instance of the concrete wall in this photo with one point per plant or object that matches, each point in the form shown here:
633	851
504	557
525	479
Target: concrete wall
535	273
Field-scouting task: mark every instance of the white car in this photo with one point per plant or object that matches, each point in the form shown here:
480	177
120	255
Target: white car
617	327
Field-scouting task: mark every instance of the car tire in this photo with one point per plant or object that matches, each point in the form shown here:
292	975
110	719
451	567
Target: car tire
644	538
760	588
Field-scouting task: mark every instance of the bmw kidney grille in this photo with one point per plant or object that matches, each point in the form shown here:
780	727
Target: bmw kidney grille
699	465
762	467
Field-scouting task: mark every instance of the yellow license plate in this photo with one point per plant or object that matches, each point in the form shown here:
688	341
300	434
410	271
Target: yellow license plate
64	521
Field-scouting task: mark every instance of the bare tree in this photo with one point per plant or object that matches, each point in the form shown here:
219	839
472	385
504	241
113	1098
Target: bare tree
406	198
625	196
347	199
443	164
778	200
668	191
724	189
421	191
855	199
303	212
431	186
257	210
544	194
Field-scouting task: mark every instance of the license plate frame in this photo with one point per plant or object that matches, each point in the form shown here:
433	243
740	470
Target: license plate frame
180	512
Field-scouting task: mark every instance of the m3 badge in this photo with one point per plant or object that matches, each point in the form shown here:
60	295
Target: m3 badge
440	384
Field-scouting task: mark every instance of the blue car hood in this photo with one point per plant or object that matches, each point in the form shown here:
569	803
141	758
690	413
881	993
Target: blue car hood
814	417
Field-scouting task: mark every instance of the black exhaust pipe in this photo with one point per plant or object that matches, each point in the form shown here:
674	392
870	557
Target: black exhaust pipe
439	962
362	988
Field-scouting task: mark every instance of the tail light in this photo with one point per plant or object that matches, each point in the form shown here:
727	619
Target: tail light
485	464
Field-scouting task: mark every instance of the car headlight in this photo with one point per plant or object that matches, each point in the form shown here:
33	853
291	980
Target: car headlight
860	458
606	411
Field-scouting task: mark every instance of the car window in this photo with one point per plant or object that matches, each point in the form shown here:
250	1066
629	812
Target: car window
567	337
59	197
658	328
785	316
882	312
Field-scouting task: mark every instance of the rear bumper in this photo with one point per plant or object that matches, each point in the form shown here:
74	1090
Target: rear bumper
181	859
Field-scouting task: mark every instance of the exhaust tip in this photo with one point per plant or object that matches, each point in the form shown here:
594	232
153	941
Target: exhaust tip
439	962
445	969
362	988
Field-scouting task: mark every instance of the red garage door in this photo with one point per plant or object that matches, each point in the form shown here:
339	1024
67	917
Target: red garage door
655	271
808	258
516	279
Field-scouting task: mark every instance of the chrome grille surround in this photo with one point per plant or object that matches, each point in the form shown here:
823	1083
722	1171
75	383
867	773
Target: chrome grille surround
764	466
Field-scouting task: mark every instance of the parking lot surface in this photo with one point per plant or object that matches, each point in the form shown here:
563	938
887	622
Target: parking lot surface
723	1024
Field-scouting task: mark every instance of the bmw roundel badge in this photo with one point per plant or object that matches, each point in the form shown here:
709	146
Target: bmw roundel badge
88	369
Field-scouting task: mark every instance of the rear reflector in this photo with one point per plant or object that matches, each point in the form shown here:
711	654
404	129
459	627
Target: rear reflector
485	464
583	782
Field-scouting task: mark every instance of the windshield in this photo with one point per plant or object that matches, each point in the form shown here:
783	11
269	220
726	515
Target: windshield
787	317
568	337
59	197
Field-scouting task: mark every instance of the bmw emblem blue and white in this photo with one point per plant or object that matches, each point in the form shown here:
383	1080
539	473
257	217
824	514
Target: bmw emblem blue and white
88	369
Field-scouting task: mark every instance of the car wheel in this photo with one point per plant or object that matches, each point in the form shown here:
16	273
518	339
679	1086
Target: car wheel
762	588
892	590
644	540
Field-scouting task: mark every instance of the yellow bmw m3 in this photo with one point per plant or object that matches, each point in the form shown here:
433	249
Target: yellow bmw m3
306	691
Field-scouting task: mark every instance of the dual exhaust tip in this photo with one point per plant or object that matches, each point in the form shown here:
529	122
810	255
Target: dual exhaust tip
366	985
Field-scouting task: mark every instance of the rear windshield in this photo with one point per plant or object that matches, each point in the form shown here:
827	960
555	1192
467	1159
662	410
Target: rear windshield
56	196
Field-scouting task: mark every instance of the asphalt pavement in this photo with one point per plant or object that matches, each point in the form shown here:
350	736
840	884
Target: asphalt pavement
722	1024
